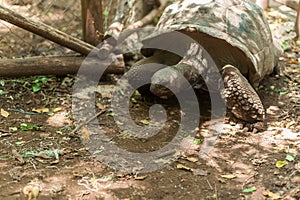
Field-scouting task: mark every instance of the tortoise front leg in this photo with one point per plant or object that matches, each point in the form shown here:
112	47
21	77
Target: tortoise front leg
240	97
143	70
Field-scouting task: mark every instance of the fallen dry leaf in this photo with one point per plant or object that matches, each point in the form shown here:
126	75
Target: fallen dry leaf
85	134
100	106
192	159
4	113
140	177
31	192
199	172
57	109
18	156
228	176
41	110
280	164
274	196
54	162
180	166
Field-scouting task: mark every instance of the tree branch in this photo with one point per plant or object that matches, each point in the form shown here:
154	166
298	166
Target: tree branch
57	65
45	31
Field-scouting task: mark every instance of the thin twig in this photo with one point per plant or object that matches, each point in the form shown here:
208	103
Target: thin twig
247	180
87	122
216	191
209	184
33	165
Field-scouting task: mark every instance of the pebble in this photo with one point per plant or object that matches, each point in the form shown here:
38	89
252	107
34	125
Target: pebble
281	104
272	110
239	126
297	129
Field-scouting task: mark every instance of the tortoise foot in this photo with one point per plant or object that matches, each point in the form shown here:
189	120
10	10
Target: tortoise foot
245	127
241	99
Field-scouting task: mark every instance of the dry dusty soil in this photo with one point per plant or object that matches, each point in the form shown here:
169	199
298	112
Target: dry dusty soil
41	154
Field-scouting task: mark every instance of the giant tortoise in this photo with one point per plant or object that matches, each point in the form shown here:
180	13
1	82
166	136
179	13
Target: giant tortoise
233	33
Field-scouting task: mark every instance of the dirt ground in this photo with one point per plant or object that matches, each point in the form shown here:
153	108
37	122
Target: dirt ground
41	154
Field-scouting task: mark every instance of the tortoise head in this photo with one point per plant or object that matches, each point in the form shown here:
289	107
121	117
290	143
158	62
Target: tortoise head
167	82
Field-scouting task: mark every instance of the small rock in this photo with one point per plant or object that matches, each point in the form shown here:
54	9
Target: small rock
295	179
245	129
239	126
272	110
200	172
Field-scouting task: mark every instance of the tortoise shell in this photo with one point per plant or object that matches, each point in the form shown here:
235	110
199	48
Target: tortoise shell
239	23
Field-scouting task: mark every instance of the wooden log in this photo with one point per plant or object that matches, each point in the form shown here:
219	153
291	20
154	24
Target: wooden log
92	21
297	25
45	31
57	65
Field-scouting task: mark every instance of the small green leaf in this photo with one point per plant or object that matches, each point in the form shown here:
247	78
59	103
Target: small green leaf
290	158
25	127
111	114
36	87
136	92
285	45
36	128
145	121
20	143
121	92
197	141
13	128
44	79
2	82
105	13
97	152
133	100
249	190
1	92
283	92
